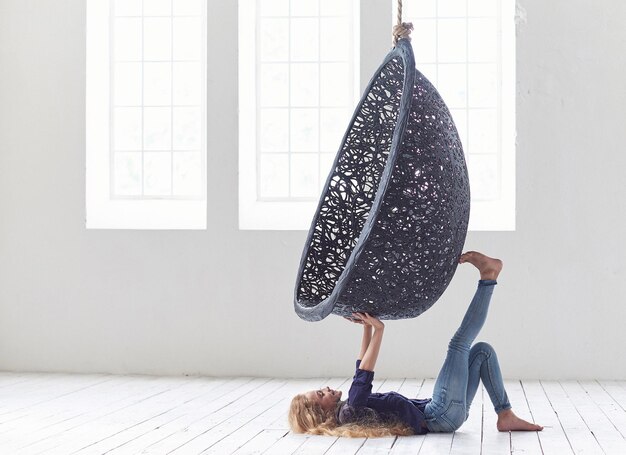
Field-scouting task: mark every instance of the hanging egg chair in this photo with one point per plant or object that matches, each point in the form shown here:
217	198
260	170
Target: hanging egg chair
392	218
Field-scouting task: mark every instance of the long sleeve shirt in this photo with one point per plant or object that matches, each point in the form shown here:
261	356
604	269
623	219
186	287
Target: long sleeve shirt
362	404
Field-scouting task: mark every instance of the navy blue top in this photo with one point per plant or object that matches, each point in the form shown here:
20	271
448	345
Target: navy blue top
362	404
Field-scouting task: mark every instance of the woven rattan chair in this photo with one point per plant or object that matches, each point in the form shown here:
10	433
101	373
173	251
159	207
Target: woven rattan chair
392	219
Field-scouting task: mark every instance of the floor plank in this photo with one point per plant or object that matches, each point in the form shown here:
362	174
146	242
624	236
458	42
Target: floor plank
314	443
607	435
553	437
139	411
118	415
494	441
609	407
578	433
522	441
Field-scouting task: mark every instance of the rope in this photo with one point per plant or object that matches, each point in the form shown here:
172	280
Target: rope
401	30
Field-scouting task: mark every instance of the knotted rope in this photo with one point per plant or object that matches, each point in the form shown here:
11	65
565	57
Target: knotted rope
401	29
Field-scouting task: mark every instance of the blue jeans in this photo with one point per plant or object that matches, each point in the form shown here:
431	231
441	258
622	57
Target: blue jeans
464	367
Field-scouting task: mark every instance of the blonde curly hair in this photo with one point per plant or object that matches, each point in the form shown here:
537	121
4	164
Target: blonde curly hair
308	417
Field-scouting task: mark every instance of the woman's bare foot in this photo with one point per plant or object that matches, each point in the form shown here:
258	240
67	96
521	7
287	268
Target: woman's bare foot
507	421
489	267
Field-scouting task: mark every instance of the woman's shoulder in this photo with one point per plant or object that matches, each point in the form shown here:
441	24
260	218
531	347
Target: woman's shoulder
349	414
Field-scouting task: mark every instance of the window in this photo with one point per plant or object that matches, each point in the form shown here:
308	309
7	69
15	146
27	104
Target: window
466	49
288	136
297	89
146	111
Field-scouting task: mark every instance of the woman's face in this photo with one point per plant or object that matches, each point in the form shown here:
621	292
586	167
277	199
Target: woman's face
327	398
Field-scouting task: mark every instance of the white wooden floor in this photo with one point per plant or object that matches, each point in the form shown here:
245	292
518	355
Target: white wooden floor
97	414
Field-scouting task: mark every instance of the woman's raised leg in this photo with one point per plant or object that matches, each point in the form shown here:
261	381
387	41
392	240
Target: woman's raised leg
447	410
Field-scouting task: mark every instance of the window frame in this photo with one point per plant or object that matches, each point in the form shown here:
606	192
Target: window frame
485	215
265	213
104	210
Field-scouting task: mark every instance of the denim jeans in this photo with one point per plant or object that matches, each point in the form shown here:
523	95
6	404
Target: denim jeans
464	366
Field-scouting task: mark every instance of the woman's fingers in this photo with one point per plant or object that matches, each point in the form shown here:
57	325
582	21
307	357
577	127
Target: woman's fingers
371	320
363	318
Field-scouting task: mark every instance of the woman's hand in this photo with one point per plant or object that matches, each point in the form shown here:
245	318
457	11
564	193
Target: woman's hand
369	351
354	319
367	320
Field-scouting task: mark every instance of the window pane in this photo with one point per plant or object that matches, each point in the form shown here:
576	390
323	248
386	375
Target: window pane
335	7
304	84
127	128
304	130
452	84
274	7
187	174
157	7
483	40
127	7
127	173
274	175
483	136
187	128
303	8
158	173
304	39
335	40
451	40
157	81
187	83
304	175
187	38
421	8
482	7
334	123
127	83
132	87
187	7
274	84
326	164
451	8
127	39
274	36
483	85
304	53
157	128
424	38
274	125
334	83
157	35
483	173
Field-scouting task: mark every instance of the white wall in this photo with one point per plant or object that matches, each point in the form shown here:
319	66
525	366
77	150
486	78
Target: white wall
218	302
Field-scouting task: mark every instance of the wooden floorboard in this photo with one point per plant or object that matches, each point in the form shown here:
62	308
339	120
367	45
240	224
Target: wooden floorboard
521	441
109	414
553	438
582	440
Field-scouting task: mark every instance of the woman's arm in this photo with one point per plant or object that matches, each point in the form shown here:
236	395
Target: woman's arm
365	341
370	354
367	333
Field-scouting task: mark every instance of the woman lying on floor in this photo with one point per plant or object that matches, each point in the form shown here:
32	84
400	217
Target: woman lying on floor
367	414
